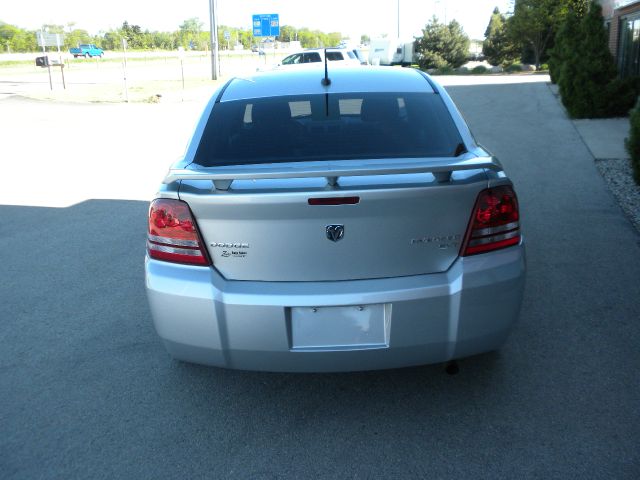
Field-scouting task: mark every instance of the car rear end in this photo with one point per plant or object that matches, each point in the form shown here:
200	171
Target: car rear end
339	227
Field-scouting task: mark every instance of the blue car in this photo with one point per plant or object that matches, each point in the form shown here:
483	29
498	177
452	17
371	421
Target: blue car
87	51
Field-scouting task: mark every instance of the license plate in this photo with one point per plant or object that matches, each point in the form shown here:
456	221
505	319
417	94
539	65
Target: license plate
336	328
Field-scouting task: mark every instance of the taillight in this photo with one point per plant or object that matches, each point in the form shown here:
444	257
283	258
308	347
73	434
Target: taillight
173	235
495	222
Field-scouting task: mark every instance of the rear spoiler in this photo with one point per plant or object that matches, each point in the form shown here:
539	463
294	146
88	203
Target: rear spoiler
222	177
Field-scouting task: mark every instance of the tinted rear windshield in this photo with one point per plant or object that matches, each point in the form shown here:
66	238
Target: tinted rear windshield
327	127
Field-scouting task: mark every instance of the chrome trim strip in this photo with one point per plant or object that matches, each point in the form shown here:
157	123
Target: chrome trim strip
173	241
494	238
179	251
493	230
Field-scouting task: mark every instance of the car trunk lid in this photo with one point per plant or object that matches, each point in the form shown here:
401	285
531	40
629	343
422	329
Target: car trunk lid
363	227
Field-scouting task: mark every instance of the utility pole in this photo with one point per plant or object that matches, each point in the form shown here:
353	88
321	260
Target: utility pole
214	40
398	18
124	68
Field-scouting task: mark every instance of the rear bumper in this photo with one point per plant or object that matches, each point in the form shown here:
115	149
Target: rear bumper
469	309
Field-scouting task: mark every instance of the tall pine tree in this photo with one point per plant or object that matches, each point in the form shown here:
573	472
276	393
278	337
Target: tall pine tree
497	47
442	45
588	68
566	36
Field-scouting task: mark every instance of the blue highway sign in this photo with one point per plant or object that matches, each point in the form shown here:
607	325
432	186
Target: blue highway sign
266	25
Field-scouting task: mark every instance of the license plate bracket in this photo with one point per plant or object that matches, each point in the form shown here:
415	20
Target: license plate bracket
351	327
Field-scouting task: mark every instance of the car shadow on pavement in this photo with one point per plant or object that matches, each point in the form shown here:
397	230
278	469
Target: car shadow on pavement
75	307
366	390
86	385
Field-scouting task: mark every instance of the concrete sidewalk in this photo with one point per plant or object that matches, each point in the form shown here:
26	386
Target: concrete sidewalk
604	136
605	139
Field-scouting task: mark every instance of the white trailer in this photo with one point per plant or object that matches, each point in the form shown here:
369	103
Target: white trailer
384	51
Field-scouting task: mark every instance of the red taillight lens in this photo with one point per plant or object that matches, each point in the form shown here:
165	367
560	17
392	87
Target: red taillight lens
495	222
173	235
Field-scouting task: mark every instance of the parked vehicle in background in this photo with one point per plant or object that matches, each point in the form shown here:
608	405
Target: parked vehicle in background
360	56
383	51
333	224
87	51
341	56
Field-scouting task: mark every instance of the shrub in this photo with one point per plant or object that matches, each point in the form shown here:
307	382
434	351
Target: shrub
428	60
562	59
514	67
587	76
566	36
445	70
619	97
633	142
544	67
586	73
479	70
442	43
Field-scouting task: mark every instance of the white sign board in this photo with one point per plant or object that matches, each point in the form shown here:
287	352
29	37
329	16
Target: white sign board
49	39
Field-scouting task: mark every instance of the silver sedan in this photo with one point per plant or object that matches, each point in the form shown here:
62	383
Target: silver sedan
333	221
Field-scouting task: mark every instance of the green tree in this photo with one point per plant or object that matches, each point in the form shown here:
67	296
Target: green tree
16	39
566	41
236	36
133	35
365	39
442	45
112	40
287	34
245	37
587	73
76	37
533	24
566	37
189	34
51	28
163	40
222	42
332	39
308	39
497	46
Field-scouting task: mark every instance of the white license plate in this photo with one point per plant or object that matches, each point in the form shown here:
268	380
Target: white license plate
335	328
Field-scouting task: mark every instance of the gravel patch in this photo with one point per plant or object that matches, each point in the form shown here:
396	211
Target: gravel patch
619	177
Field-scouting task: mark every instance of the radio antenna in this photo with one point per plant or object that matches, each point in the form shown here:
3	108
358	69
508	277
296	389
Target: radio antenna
326	80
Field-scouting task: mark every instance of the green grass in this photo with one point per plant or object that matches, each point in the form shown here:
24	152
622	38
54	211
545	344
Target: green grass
16	63
109	57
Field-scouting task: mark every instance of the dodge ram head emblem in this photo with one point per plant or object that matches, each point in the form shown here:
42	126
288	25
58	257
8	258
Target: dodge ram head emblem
335	232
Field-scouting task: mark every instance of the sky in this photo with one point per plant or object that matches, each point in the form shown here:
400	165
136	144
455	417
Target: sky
350	17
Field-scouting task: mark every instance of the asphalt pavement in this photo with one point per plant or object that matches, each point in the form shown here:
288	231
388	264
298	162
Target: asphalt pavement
87	390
